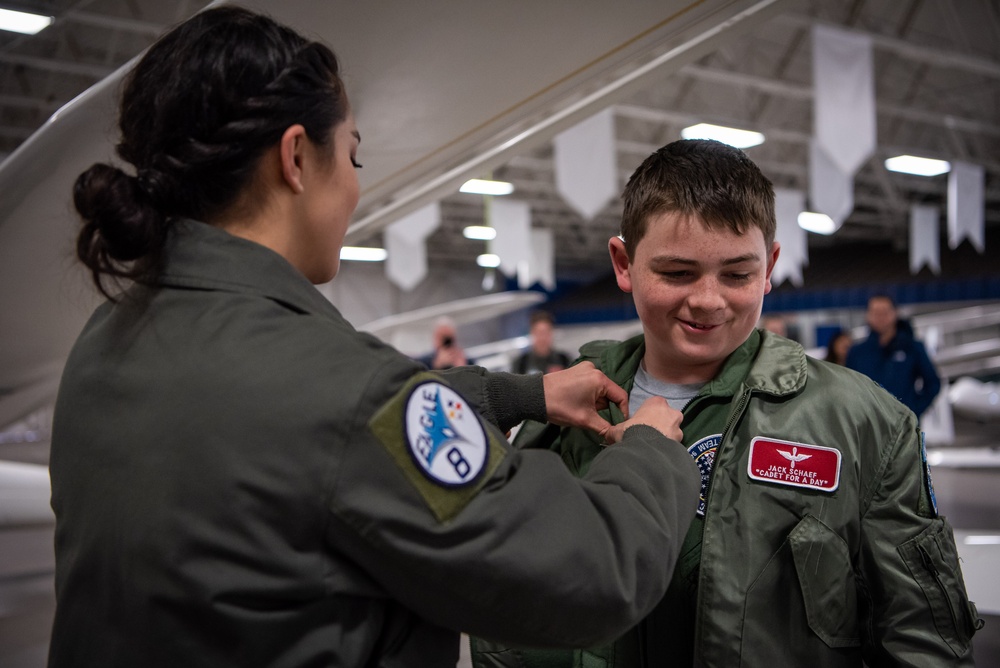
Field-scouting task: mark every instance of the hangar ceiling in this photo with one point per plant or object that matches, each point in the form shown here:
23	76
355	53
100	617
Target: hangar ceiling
937	72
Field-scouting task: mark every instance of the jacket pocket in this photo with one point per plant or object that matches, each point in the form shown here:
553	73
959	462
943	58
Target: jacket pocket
932	559
489	654
826	578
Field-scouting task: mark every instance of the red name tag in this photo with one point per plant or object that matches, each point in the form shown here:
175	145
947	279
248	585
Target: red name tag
795	464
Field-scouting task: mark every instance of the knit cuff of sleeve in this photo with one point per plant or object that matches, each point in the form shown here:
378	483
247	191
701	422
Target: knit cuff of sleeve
645	432
513	398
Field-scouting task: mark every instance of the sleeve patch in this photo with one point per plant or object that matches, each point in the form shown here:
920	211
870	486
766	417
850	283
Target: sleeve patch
439	442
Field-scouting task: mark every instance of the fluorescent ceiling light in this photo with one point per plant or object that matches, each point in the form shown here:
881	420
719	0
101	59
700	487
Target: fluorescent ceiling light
488	260
731	136
982	540
22	22
911	164
479	232
820	223
484	187
363	254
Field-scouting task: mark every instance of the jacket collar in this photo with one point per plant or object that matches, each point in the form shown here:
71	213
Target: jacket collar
777	365
203	257
780	367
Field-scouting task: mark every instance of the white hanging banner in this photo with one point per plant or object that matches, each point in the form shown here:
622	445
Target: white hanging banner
831	191
966	205
925	244
512	221
405	245
542	267
586	168
844	96
788	204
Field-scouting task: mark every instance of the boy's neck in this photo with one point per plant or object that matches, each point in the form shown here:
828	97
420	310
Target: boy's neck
678	375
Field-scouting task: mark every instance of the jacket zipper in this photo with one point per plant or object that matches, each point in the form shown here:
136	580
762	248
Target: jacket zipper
929	565
733	418
744	399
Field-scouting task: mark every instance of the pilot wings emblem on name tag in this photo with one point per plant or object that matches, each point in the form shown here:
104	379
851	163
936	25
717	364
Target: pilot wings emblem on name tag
795	464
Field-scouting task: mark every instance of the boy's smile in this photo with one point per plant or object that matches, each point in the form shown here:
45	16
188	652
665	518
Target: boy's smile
698	292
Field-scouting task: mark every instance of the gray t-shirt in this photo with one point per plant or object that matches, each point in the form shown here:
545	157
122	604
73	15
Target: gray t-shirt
645	386
703	450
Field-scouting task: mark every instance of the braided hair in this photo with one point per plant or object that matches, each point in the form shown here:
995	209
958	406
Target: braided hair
197	113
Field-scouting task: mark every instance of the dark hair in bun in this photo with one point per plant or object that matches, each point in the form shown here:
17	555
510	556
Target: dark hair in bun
197	113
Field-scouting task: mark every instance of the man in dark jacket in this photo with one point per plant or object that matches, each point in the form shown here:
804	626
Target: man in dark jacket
542	357
894	358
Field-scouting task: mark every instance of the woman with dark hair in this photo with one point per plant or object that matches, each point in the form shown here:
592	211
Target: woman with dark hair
241	478
838	346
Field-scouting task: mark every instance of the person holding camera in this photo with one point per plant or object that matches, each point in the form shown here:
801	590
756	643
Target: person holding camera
447	353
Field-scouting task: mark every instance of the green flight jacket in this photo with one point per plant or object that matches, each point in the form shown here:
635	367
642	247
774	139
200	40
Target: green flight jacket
792	575
237	481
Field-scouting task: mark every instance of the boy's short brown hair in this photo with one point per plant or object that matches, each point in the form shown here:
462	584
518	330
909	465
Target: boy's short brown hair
712	180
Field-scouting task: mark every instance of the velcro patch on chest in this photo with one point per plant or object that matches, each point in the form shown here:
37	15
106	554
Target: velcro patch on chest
795	464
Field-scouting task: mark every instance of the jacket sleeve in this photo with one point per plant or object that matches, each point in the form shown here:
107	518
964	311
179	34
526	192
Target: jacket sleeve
491	654
503	399
928	375
915	608
528	554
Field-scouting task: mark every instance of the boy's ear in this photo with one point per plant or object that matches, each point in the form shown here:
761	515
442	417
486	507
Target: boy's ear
621	263
772	259
292	149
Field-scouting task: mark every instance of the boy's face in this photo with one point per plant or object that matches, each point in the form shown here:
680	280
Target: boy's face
698	291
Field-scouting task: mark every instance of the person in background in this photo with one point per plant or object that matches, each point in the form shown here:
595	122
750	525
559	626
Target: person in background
774	324
817	541
894	358
541	357
241	478
838	346
447	353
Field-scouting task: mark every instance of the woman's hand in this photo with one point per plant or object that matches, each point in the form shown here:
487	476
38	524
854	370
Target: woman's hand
574	395
656	413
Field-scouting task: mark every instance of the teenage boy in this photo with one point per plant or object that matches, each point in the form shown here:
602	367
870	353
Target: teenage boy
817	541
